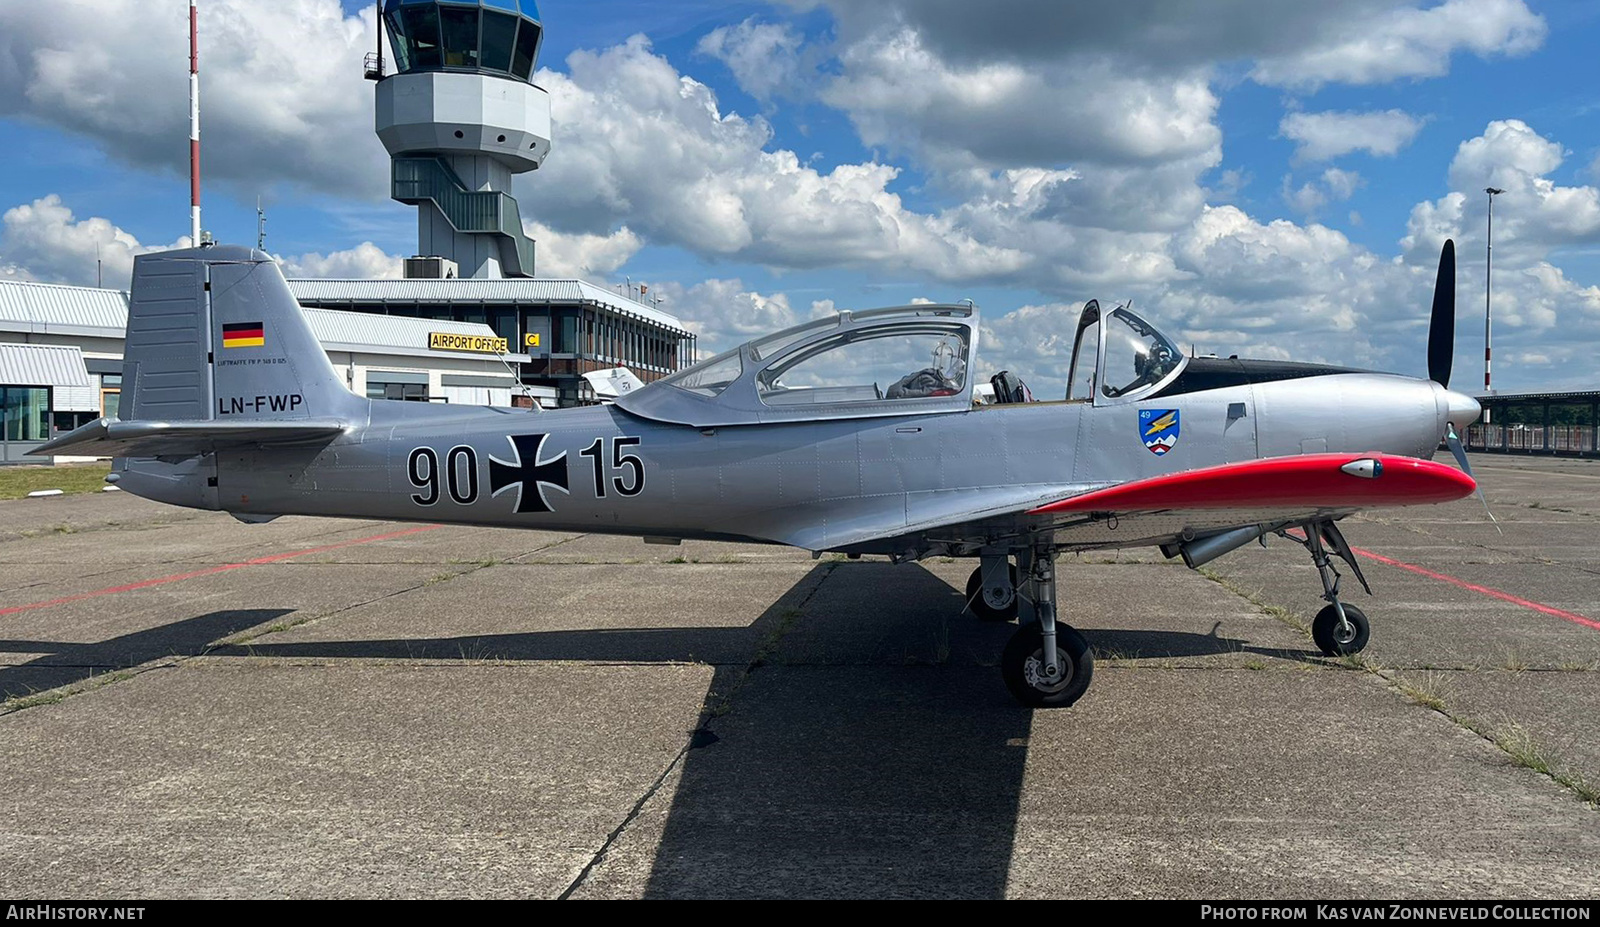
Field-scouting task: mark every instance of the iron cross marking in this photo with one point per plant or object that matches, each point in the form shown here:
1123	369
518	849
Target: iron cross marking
528	473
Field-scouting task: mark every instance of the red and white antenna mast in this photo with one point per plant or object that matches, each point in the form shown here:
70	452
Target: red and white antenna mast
194	125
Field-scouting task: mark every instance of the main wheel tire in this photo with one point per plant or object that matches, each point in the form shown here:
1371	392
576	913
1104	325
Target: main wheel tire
1335	642
1022	666
981	607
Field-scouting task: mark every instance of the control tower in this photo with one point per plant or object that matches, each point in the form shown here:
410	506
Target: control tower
459	117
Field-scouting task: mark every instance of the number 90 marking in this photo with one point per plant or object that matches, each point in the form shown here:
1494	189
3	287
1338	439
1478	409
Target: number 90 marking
460	473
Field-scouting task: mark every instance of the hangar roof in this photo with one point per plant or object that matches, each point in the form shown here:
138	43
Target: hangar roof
43	365
473	290
88	311
51	307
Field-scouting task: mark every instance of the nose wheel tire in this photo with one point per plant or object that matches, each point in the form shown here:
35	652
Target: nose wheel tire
1001	608
1336	641
1023	666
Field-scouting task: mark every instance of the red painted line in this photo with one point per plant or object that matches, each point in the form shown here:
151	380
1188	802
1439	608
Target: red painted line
178	577
1483	590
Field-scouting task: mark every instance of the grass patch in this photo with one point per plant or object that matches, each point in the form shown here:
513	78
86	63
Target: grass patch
477	653
32	701
1513	661
55	696
723	703
1353	661
17	482
1429	690
1288	617
484	563
1113	655
1528	753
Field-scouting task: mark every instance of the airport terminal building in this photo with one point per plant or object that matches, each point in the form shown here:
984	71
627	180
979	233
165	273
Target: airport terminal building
559	329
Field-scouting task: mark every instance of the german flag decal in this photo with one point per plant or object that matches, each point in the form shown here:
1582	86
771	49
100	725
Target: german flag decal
243	335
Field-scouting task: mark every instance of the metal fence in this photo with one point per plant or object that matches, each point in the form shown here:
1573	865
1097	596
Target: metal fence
1534	439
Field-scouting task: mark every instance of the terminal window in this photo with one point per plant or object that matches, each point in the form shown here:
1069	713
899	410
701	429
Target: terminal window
24	413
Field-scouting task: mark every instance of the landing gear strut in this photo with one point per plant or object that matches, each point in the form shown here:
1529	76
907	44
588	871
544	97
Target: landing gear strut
1046	664
1339	629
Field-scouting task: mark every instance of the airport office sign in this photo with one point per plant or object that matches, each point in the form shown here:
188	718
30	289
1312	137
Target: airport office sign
476	344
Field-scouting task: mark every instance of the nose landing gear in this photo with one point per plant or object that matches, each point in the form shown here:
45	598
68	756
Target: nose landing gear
1339	629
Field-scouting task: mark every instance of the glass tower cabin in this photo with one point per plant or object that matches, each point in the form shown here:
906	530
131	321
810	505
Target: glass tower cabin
459	118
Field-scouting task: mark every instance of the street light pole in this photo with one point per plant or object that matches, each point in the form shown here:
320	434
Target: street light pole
1488	271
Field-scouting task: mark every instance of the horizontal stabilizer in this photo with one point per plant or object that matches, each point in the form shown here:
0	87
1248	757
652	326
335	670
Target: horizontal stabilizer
108	437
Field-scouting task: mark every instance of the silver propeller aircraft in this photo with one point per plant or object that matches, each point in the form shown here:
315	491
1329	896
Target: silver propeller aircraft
855	434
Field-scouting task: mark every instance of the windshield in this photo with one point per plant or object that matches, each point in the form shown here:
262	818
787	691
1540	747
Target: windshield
1136	355
898	362
709	377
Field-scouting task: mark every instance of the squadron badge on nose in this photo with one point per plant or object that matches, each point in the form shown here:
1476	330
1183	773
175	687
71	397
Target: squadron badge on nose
1159	429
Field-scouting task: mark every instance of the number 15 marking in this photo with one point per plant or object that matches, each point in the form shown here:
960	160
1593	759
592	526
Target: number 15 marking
619	461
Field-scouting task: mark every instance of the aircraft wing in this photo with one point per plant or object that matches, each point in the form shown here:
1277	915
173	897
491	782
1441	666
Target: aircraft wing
108	437
1167	507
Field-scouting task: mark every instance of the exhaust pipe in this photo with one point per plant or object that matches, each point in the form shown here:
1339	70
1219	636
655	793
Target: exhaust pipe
1198	553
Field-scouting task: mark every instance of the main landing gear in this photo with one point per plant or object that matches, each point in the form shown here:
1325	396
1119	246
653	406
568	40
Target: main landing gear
1046	664
1339	629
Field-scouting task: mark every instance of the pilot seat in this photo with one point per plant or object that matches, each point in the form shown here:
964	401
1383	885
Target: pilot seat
1008	387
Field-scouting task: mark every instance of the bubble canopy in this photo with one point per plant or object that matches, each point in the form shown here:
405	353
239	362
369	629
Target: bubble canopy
499	37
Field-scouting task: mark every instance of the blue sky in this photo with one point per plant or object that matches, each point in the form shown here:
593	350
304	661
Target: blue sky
1260	178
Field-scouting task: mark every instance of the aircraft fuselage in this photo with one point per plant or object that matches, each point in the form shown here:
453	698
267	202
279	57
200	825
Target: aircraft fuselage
601	469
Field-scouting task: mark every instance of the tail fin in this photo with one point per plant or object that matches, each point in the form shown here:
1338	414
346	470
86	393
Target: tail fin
215	334
609	384
218	353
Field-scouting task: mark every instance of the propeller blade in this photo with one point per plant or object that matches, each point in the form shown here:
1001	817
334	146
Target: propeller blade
1461	458
1442	327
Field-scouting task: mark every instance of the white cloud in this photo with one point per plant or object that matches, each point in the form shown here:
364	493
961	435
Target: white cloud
282	99
1001	113
724	313
1334	185
1531	218
764	57
1508	154
1307	198
1324	136
580	255
365	261
644	145
1405	43
1154	36
1537	308
1341	184
43	241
